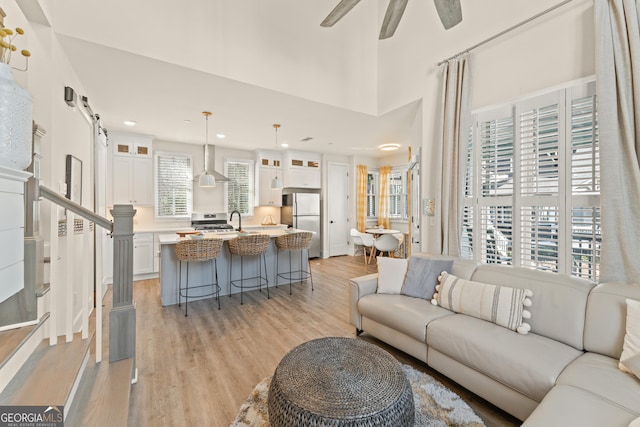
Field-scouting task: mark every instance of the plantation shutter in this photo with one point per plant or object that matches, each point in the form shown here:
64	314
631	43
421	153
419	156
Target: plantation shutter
466	242
585	184
174	186
532	189
240	191
540	126
495	135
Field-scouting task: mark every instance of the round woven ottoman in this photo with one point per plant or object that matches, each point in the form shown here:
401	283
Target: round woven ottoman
339	382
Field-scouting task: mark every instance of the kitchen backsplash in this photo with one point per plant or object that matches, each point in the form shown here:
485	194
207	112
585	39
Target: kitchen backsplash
144	219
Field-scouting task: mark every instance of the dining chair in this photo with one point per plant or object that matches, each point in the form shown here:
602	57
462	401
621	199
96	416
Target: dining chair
400	251
386	243
363	240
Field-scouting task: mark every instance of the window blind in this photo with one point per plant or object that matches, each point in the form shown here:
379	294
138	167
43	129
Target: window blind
240	191
173	186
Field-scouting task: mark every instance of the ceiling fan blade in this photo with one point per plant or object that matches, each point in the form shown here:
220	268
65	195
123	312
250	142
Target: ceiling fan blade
392	18
450	12
338	12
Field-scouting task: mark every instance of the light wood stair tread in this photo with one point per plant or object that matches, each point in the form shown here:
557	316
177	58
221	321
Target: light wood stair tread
48	375
12	339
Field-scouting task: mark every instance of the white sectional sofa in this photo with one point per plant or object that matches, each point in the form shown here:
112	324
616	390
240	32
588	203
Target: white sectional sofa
564	372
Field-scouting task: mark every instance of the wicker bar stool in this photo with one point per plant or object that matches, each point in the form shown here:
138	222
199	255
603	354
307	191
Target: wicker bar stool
299	241
251	245
199	250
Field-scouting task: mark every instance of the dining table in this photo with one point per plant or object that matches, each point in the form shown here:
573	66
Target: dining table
380	231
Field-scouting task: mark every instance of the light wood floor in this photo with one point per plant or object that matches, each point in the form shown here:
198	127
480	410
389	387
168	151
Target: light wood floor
197	370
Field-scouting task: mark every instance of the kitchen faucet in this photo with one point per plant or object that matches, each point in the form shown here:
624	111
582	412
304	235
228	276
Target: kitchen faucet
239	219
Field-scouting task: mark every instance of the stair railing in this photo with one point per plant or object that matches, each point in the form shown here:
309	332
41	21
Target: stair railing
122	317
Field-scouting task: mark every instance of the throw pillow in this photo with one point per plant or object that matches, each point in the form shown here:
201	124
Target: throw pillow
501	305
422	276
635	423
391	273
631	347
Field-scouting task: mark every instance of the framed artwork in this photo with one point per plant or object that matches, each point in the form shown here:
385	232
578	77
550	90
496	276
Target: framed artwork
73	179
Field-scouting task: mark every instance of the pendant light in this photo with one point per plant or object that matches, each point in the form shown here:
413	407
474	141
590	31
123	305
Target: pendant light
206	180
276	184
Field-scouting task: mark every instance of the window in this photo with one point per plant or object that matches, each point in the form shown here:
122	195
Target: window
398	194
535	163
173	186
372	194
239	193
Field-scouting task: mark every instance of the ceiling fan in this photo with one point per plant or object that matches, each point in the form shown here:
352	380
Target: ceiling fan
449	11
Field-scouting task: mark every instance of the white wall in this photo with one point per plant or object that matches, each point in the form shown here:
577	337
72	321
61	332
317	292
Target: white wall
67	132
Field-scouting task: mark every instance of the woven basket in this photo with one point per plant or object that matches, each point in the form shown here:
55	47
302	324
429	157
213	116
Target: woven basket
254	244
295	241
198	250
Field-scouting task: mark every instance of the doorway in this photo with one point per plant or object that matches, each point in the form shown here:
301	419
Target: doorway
338	208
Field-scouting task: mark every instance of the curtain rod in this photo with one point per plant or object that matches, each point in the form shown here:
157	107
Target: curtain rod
526	21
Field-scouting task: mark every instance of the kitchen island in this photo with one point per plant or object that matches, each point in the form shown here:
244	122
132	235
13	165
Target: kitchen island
201	272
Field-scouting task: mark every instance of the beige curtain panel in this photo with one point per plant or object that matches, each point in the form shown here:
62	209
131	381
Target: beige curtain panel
456	110
618	90
383	206
361	197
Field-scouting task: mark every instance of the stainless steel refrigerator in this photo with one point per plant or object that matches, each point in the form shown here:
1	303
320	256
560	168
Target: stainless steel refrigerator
302	210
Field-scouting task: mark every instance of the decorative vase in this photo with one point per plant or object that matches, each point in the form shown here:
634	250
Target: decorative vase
15	122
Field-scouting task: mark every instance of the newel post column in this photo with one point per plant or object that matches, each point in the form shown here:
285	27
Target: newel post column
122	317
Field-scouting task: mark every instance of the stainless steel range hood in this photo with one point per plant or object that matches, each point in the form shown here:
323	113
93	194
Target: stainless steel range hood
212	162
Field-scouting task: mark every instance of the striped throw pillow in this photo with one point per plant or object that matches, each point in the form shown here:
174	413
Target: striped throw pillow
502	305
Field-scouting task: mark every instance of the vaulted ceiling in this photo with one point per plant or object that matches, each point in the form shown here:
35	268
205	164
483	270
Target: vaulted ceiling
254	63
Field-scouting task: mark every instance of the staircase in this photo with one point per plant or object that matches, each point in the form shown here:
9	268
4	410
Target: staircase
66	374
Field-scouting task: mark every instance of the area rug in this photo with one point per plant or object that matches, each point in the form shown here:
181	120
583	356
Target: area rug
436	405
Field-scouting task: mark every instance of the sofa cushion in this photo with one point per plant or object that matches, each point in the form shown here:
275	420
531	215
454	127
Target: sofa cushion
391	273
463	268
559	301
529	363
630	358
635	423
422	276
605	324
502	305
407	315
600	375
569	406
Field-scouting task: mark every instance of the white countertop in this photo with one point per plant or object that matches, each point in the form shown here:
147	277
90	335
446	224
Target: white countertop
172	239
169	230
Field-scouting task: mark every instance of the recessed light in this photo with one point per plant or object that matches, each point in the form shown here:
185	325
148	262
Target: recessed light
389	147
129	123
187	121
284	145
221	135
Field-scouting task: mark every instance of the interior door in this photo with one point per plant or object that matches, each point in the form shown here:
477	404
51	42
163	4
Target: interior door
337	208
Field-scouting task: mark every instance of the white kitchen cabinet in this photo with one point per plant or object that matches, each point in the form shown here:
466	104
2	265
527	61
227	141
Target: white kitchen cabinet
301	170
143	258
131	145
268	196
132	180
267	168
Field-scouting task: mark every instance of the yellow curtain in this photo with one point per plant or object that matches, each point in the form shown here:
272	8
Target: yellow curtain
361	197
383	206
